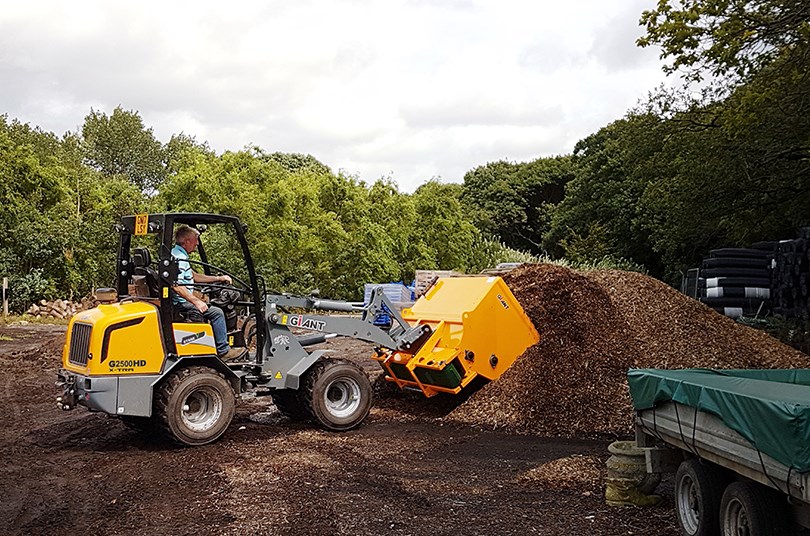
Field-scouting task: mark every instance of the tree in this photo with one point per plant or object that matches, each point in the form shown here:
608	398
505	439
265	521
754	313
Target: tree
442	229
182	150
601	205
728	39
55	228
120	145
513	201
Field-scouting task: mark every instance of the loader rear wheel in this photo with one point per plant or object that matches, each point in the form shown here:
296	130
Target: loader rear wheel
338	394
194	405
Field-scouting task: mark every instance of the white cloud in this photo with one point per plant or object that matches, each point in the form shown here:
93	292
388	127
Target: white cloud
406	88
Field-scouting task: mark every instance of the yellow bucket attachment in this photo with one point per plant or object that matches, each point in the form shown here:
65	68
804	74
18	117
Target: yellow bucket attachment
479	329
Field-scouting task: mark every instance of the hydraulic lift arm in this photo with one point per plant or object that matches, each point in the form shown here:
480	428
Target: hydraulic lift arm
285	351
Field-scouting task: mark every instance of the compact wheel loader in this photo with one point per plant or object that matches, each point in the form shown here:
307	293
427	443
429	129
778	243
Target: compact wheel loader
135	357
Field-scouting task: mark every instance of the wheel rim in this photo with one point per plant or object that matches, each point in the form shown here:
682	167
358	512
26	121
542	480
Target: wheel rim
202	409
735	520
688	504
342	397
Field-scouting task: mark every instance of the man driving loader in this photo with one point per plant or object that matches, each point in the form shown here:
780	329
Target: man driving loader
189	305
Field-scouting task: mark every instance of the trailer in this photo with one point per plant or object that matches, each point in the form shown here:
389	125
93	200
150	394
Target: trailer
738	442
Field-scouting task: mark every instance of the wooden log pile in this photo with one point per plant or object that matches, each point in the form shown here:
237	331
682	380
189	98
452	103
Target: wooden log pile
61	309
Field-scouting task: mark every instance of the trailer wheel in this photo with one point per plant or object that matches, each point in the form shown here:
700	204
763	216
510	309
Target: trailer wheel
290	404
751	509
194	405
698	492
338	394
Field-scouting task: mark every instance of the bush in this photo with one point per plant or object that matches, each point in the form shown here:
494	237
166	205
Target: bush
27	289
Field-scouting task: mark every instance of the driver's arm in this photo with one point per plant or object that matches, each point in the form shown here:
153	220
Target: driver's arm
186	294
204	278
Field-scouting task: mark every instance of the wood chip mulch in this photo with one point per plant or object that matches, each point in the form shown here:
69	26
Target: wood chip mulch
594	326
586	473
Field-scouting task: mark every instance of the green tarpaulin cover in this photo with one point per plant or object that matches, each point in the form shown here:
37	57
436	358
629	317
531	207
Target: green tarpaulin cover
770	408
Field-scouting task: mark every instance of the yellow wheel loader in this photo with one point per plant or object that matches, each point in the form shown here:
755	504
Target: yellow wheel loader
136	357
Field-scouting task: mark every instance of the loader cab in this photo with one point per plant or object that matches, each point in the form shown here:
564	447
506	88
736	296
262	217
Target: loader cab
146	270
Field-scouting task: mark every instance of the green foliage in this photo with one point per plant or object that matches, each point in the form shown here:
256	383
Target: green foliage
309	228
723	38
588	248
27	289
182	150
55	236
120	145
601	208
794	332
514	201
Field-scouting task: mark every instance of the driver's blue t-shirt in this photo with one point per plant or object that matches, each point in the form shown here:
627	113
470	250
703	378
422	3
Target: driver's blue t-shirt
185	276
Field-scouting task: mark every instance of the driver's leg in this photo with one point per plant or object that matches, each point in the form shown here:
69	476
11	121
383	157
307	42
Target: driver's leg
216	318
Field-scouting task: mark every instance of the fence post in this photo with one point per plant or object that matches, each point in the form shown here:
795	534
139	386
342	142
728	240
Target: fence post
5	298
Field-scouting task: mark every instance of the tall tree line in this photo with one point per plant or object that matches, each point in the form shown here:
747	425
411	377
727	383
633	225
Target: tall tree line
308	227
725	161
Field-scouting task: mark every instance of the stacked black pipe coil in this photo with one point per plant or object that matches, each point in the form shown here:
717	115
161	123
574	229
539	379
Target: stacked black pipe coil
791	276
768	277
737	281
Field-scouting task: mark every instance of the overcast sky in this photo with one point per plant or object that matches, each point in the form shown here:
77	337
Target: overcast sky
407	89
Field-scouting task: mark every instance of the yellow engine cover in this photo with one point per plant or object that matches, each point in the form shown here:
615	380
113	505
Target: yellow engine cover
115	339
479	329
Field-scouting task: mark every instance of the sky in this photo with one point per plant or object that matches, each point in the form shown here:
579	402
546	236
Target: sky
409	90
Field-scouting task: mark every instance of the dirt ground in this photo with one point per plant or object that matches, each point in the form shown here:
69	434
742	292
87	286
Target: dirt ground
405	471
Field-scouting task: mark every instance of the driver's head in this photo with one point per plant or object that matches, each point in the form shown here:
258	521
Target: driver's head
187	237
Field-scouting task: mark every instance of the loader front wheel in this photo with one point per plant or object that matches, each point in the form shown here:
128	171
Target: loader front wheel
339	394
194	405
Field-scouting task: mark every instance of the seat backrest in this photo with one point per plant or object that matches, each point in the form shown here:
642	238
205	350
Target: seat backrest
141	257
142	260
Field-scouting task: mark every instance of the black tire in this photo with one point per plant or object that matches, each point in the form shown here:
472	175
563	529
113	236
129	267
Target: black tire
740	252
337	394
731	312
759	282
749	508
194	405
751	293
769	246
291	404
749	303
249	332
736	262
760	273
698	492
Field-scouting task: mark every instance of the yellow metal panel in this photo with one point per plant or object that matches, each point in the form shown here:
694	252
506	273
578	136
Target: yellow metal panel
125	339
194	339
479	329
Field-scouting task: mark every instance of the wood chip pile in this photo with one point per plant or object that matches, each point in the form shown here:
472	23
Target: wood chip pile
571	472
594	326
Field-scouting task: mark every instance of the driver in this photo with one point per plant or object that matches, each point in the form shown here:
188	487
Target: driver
185	301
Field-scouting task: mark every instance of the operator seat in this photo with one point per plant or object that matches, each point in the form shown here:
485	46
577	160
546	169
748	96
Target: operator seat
142	261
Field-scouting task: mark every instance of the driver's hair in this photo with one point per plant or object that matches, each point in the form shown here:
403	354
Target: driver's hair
184	232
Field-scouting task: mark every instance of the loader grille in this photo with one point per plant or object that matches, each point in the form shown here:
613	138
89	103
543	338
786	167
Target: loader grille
79	343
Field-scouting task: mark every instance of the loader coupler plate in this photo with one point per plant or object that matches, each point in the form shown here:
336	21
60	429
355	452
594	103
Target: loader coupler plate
479	329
